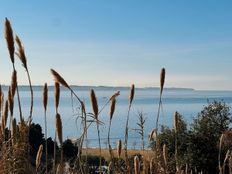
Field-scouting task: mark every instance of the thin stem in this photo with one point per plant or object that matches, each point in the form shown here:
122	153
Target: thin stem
31	90
46	143
110	149
19	103
99	142
126	133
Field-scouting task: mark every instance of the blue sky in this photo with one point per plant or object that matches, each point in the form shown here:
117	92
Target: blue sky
117	43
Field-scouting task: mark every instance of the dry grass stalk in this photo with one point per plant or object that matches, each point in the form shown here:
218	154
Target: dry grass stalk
94	103
165	156
59	79
162	80
59	128
119	148
57	95
45	96
152	165
132	93
112	108
13	83
136	165
14	131
21	52
38	156
219	154
9	39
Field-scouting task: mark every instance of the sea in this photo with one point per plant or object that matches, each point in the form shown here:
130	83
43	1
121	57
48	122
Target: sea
188	102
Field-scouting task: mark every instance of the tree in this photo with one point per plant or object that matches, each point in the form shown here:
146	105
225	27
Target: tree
70	150
206	130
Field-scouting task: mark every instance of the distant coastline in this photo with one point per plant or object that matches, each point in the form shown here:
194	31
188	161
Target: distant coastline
121	88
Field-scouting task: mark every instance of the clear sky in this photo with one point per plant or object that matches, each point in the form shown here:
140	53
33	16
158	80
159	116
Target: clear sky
120	42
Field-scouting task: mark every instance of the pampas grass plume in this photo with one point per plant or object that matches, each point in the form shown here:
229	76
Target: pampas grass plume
45	96
162	80
59	128
9	39
119	148
94	103
59	79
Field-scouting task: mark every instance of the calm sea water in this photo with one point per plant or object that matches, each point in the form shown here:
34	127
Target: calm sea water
186	102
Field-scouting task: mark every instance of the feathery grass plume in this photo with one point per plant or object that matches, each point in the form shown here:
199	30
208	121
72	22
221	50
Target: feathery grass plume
162	80
94	103
13	131
38	156
119	148
136	164
219	153
59	79
10	101
59	128
9	39
132	93
112	108
60	136
45	96
152	135
13	83
57	95
165	156
21	52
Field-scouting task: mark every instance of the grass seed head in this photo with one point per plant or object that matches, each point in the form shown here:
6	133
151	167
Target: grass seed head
162	80
59	79
132	93
119	148
45	96
112	108
59	128
57	94
21	52
13	83
94	103
9	39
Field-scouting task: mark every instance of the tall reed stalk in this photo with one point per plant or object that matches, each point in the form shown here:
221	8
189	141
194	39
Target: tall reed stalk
131	97
9	36
57	100
22	57
112	109
95	113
